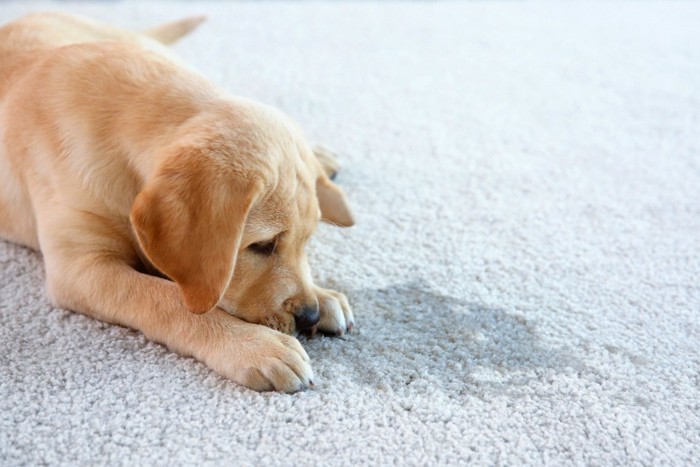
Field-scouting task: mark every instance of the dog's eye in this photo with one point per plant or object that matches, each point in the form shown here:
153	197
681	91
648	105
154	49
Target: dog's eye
264	248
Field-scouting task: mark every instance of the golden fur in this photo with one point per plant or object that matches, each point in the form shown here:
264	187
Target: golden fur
160	202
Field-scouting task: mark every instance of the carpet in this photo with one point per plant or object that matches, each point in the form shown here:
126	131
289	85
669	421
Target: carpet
524	270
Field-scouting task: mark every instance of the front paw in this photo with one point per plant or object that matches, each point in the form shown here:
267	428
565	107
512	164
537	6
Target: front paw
328	159
261	358
336	314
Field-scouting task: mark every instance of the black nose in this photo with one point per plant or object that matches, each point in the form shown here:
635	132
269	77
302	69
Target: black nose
307	317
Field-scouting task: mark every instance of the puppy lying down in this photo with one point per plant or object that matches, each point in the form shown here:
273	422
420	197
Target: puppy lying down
162	203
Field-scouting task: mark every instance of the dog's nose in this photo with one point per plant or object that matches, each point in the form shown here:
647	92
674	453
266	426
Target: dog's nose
307	317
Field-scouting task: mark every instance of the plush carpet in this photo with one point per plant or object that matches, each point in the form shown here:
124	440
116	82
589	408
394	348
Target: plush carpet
525	270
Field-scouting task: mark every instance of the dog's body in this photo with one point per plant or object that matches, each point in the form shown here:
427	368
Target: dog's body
125	169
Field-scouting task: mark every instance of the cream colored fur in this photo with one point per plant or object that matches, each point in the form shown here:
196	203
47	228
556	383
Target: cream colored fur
162	203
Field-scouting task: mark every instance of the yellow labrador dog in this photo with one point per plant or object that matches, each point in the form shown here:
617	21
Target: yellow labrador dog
162	203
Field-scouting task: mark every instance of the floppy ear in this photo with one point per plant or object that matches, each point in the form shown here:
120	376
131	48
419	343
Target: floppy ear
189	220
333	203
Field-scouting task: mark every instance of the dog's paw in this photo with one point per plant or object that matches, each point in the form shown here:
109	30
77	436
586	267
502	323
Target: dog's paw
328	159
336	314
262	359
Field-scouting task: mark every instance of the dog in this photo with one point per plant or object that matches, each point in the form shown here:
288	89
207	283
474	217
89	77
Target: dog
162	203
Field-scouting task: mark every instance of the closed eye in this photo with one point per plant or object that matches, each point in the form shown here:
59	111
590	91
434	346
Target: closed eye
266	248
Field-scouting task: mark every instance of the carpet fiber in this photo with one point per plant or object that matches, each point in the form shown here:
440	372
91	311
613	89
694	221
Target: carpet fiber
524	271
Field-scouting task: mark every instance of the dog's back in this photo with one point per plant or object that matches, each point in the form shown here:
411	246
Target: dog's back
25	44
42	31
24	39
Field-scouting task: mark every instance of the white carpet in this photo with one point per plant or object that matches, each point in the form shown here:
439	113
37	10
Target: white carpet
525	271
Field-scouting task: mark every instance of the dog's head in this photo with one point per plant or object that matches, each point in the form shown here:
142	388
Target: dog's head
229	210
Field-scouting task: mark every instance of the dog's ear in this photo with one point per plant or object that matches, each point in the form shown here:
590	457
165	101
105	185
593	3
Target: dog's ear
333	203
189	221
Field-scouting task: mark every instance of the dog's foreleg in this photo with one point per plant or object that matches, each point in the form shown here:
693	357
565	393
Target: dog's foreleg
90	274
328	160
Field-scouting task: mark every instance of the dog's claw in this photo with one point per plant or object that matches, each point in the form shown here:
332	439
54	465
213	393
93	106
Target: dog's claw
351	326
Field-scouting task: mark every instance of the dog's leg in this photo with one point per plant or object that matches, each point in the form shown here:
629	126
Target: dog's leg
336	314
328	159
89	273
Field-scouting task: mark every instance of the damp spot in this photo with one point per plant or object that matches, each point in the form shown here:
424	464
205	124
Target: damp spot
412	338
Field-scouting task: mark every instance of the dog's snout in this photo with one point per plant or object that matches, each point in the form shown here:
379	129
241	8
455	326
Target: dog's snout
307	317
